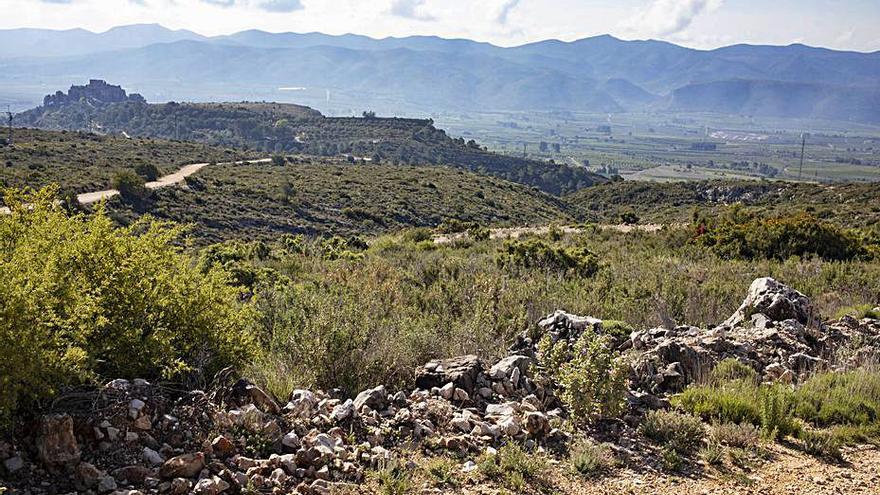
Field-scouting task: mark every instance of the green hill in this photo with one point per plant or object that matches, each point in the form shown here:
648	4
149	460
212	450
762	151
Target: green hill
82	162
285	128
330	196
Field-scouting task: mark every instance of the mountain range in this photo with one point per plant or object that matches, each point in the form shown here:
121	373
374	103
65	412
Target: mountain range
598	74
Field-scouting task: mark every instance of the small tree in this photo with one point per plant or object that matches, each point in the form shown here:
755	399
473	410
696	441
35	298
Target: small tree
147	170
130	185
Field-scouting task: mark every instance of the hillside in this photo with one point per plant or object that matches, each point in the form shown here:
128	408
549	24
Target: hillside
83	162
598	74
285	128
675	202
320	197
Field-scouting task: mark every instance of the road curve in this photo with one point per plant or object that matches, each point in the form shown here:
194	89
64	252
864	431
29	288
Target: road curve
164	181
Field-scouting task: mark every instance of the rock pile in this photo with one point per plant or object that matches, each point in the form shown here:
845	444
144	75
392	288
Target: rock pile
775	330
139	438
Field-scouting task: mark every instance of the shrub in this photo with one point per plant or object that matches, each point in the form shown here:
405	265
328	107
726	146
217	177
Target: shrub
512	466
851	398
535	253
749	237
820	444
682	433
776	417
82	300
858	312
740	435
442	471
732	402
731	370
593	381
712	454
147	171
130	185
278	160
590	459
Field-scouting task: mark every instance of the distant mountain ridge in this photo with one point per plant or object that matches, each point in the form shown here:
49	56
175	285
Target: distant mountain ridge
598	74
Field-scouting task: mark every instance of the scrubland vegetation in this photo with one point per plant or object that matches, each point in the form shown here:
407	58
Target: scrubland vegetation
84	300
84	162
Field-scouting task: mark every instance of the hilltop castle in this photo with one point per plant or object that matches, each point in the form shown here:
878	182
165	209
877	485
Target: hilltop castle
96	91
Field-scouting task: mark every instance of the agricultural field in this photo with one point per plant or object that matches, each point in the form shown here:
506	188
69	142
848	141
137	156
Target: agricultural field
662	147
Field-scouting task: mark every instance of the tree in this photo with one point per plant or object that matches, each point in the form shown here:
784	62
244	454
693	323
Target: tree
130	185
147	170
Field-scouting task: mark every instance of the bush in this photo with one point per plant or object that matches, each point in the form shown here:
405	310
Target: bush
820	444
776	415
593	381
740	435
748	237
130	185
512	466
851	398
148	171
82	300
731	370
590	459
535	253
731	402
683	433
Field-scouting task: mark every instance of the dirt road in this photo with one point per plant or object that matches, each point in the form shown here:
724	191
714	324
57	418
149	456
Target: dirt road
164	181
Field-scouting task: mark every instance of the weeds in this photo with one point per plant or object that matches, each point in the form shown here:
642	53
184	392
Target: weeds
682	433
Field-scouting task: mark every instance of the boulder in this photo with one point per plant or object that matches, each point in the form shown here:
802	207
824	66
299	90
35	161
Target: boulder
56	444
461	371
776	301
183	466
374	398
507	366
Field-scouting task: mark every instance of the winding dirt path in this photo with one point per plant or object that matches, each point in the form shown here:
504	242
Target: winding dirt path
164	181
516	232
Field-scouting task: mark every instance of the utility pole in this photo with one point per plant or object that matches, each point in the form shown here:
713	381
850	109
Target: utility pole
176	128
803	147
525	146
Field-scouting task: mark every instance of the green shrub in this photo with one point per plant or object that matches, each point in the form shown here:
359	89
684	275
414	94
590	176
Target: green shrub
749	237
512	466
130	185
535	253
393	479
683	433
858	312
850	398
593	381
590	459
713	454
820	444
777	420
148	171
82	300
442	472
731	370
740	435
732	402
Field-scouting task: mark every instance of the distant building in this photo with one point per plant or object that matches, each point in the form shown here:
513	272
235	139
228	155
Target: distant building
96	91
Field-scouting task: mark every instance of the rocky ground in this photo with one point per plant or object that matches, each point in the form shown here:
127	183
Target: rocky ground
135	437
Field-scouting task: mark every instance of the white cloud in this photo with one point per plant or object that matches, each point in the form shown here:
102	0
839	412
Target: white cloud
506	8
411	9
281	5
668	17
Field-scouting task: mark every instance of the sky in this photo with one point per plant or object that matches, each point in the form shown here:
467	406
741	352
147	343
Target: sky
839	24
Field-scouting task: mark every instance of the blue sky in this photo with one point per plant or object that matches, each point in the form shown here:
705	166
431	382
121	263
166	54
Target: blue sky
841	24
